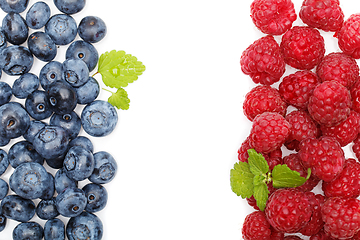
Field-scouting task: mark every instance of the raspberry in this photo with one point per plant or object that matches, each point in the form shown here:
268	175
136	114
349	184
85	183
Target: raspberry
297	88
341	217
252	202
263	61
302	47
324	156
321	235
269	132
256	227
262	99
302	127
288	210
242	151
356	147
326	15
355	96
330	103
273	17
347	184
292	237
294	163
348	36
338	67
316	223
345	132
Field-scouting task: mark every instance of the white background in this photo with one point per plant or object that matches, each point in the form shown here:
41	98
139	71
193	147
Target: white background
176	144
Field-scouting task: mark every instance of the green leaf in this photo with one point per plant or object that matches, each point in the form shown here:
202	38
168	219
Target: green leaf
257	162
120	99
261	192
242	180
283	176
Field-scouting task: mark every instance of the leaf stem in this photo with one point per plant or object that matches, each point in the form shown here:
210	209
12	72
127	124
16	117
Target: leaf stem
94	74
107	90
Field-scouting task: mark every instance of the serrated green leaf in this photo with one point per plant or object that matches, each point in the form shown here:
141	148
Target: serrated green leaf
257	162
283	176
120	99
109	60
261	192
242	180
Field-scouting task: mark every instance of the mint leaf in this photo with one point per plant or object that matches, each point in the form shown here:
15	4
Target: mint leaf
119	99
242	180
257	162
283	176
261	192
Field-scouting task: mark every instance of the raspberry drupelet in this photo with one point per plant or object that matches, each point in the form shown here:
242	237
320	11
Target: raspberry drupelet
349	36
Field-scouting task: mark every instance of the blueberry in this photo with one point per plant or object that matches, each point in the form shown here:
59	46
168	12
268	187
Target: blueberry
99	118
4	141
105	168
42	46
46	209
51	142
71	202
62	97
29	180
23	151
84	51
38	106
70	6
50	191
96	196
4	161
57	162
4	189
5	93
92	29
85	226
54	229
17	208
17	6
62	29
51	72
25	84
34	128
38	15
14	120
82	142
28	230
75	72
88	92
62	181
70	122
3	221
78	163
3	41
15	28
16	60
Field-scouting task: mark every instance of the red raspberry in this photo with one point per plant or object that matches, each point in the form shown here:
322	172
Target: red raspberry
297	88
263	61
338	67
356	147
292	237
294	163
316	223
347	184
345	132
262	99
242	151
256	227
288	210
252	202
326	14
321	235
302	127
330	103
349	36
273	17
302	47
269	132
355	96
324	156
341	217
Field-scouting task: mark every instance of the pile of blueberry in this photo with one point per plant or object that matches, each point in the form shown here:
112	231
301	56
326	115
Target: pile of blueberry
46	128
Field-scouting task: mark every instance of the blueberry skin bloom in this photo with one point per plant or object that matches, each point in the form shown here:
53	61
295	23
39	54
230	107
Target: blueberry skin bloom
15	28
17	208
70	6
3	41
38	15
51	72
82	141
75	72
96	196
62	181
88	92
25	84
51	142
17	6
34	128
84	51
28	230
22	152
54	229
14	120
71	122
3	221
71	202
92	29
4	161
5	93
42	46
78	163
85	226
4	189
105	168
16	60
61	28
99	118
46	209
38	106
62	97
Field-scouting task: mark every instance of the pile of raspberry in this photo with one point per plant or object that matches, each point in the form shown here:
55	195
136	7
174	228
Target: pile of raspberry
305	119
